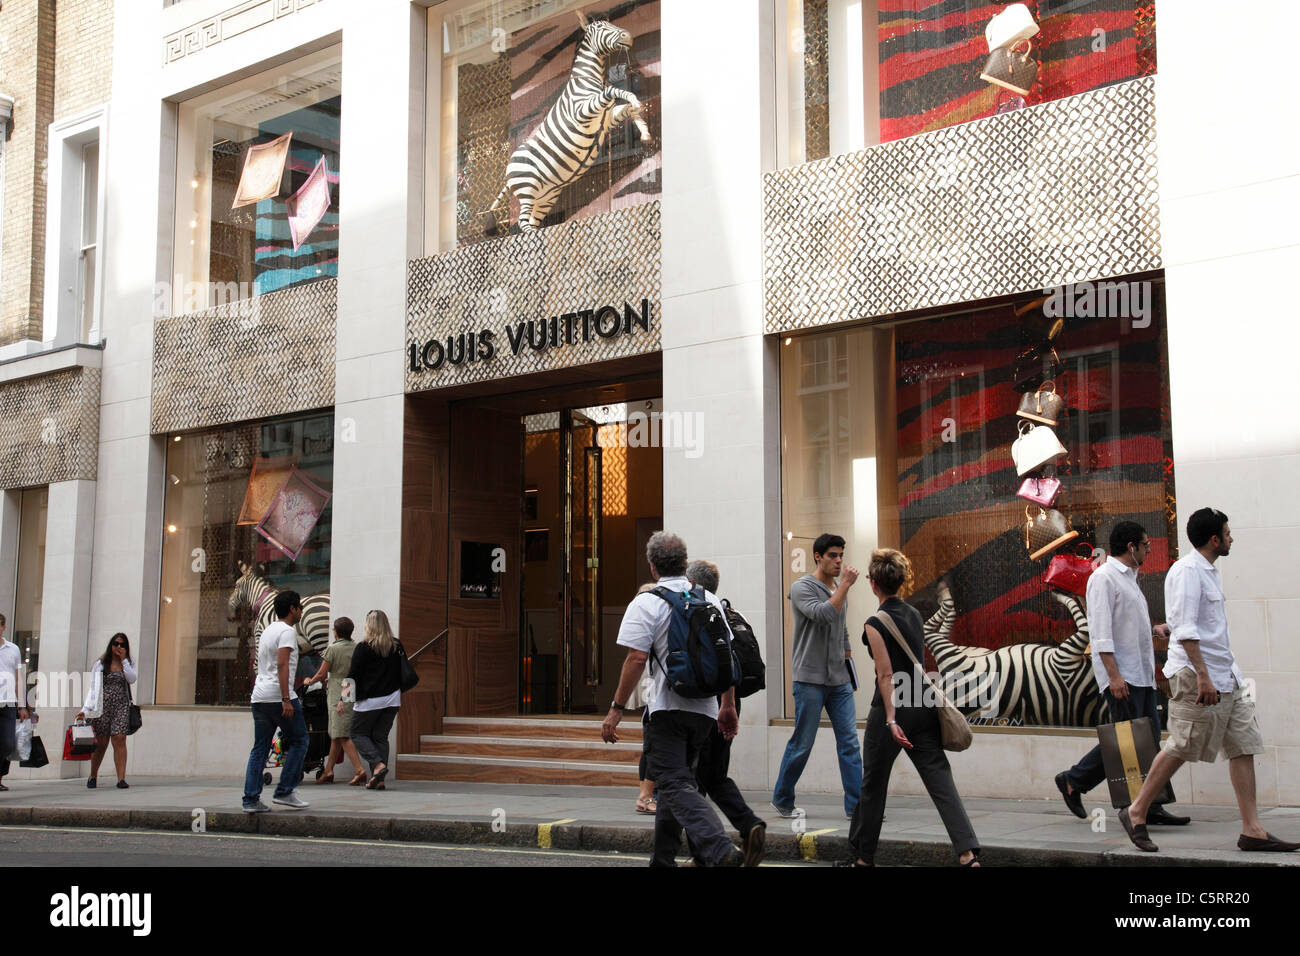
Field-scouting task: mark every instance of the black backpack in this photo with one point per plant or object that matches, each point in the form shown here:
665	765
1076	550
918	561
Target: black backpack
700	662
744	644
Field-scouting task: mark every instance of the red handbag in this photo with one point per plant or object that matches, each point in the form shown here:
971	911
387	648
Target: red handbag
1070	572
77	753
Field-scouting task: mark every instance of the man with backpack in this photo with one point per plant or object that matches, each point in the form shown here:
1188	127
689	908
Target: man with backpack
711	773
683	633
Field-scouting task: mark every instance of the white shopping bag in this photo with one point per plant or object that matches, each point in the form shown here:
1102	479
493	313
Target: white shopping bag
24	740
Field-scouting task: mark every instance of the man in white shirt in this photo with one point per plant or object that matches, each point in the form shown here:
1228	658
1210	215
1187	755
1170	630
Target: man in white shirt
1209	709
679	726
11	662
1123	658
276	705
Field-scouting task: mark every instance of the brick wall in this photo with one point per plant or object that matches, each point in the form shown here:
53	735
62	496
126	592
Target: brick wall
26	74
83	63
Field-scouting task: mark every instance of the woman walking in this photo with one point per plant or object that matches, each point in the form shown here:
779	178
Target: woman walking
335	664
912	727
376	673
109	705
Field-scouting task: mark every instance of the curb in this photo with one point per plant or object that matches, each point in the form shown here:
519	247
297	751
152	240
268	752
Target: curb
572	835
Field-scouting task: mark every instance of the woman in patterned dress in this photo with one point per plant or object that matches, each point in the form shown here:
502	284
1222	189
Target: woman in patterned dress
108	702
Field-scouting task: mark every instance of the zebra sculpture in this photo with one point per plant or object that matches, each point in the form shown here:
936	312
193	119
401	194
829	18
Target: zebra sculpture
565	144
1044	684
254	591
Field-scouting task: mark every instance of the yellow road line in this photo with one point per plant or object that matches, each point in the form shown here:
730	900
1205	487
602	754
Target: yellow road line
544	832
808	842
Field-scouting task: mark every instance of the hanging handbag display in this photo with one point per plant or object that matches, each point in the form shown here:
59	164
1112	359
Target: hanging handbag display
1037	446
1070	572
1034	366
38	757
1045	531
1042	406
954	728
1011	25
1041	491
1012	69
74	742
409	677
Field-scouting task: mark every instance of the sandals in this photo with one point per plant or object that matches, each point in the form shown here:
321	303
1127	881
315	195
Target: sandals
326	778
377	781
358	780
973	861
646	805
3	788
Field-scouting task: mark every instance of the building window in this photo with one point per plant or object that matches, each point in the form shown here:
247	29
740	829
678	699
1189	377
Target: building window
75	229
901	436
247	514
861	72
496	71
26	630
257	202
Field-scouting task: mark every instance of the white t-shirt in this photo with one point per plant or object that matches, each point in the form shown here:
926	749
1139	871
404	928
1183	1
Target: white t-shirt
645	624
10	660
266	689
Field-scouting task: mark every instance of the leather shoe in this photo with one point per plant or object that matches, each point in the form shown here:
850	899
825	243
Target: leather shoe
1272	844
1138	833
1159	816
1072	800
755	844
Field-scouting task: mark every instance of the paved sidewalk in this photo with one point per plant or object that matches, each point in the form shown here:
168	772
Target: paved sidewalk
1013	832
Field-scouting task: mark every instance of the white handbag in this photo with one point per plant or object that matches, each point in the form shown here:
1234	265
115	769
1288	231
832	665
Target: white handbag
1012	25
1037	446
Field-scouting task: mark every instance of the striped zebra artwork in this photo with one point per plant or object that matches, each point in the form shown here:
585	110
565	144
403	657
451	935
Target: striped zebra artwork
255	592
1049	685
567	142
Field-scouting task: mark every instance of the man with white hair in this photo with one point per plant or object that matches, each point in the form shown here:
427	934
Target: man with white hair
678	726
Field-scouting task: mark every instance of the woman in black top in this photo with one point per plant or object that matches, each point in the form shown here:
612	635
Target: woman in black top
376	674
902	719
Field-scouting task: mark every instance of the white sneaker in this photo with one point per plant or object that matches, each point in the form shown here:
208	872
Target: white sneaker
258	807
291	800
788	814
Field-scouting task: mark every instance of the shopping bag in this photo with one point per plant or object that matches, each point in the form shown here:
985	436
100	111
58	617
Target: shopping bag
71	751
24	738
1127	749
38	756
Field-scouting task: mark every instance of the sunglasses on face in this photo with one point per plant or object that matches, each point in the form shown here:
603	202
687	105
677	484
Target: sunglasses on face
118	644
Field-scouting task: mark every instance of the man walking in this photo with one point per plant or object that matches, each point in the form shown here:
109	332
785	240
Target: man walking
11	711
678	726
1209	710
711	773
820	675
1123	658
276	705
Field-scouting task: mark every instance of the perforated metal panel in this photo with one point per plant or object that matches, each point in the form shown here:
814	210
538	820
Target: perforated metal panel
49	428
256	358
1039	197
588	263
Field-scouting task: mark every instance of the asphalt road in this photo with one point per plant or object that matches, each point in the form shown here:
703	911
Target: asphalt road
79	847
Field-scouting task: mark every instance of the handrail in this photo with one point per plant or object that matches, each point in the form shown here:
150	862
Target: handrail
411	657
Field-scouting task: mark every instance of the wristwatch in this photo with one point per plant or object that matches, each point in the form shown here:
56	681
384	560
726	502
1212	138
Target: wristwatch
615	705
890	723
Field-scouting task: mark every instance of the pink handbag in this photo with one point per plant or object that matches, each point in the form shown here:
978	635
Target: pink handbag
1041	491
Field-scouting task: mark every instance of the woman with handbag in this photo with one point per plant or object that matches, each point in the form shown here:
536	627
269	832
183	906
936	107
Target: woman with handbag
376	673
902	719
108	703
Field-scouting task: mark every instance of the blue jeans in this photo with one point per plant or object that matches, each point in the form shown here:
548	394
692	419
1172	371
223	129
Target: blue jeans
293	735
809	699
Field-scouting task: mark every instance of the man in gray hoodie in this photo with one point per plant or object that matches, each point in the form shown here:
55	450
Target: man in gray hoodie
821	677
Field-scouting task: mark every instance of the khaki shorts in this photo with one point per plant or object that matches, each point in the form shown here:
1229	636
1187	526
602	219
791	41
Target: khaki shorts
1198	733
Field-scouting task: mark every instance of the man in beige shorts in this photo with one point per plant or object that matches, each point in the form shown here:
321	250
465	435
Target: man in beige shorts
1209	710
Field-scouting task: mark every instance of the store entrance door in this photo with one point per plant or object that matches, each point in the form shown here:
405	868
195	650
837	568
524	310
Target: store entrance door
592	496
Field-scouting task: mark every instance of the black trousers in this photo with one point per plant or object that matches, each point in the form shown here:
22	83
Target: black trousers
712	780
879	750
8	735
1090	770
673	741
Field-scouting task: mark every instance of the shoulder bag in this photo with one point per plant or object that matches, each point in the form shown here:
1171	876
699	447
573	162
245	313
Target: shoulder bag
409	677
954	729
134	721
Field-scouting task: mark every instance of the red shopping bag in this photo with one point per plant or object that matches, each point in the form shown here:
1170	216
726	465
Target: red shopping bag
78	752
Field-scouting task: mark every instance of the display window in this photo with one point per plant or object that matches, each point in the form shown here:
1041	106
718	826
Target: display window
861	73
541	111
257	199
247	514
25	629
936	437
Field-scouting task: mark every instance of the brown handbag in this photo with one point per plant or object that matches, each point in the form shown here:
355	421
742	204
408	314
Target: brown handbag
1045	531
1043	406
954	729
1010	69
